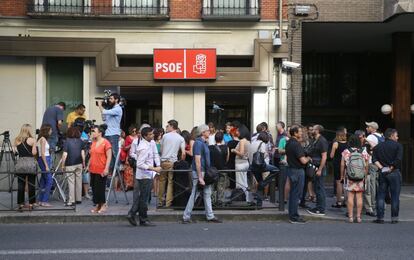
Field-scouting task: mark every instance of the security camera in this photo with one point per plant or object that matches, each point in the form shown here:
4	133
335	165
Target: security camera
290	64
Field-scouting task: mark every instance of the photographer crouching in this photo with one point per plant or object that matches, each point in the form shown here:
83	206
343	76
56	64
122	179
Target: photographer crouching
112	115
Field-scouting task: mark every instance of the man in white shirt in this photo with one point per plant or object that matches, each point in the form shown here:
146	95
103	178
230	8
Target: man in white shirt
371	180
146	157
171	144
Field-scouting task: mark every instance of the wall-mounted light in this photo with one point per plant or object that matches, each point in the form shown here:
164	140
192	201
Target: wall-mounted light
277	41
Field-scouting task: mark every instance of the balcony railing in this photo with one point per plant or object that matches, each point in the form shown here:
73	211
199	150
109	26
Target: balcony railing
91	8
231	10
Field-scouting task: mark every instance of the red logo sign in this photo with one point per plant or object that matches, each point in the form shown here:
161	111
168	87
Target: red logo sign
184	64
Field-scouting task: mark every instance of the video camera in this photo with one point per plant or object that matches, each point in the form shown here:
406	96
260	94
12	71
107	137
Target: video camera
105	98
6	134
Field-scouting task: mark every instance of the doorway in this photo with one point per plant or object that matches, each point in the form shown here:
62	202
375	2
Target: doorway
228	104
144	105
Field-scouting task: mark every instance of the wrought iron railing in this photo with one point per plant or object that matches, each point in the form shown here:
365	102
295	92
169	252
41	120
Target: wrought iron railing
115	8
231	9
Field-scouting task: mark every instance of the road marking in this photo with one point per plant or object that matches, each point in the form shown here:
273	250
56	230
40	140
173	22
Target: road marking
171	250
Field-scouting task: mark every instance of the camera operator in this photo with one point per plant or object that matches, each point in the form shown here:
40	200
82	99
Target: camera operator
53	116
112	118
296	172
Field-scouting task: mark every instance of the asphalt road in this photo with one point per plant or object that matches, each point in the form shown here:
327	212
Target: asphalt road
234	240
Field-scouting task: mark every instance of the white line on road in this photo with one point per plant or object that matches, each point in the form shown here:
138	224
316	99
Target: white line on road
170	250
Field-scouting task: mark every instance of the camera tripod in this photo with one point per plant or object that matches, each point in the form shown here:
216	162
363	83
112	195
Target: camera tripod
116	173
7	153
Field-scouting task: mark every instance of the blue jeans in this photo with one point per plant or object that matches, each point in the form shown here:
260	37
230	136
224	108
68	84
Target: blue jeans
297	181
52	141
262	183
193	197
319	187
142	193
46	180
392	182
114	140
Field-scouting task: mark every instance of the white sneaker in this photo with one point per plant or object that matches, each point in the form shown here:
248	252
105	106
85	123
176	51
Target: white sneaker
88	197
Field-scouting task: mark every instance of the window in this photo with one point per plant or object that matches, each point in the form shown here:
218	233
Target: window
231	7
63	6
140	7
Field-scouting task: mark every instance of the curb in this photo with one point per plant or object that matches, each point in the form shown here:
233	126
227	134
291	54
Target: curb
199	217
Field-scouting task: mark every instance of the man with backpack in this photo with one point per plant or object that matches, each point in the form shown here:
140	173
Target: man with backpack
388	157
372	139
200	166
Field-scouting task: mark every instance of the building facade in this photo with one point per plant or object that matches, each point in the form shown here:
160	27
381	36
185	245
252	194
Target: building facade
72	50
356	56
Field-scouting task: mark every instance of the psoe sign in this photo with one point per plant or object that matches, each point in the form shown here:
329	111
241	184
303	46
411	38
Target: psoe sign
185	64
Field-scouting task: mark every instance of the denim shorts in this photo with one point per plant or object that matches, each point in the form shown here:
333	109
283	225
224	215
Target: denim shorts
85	177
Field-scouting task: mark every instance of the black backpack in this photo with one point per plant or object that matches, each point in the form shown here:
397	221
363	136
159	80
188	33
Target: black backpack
258	160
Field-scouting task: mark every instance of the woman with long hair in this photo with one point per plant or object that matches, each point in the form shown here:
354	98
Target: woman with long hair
353	187
44	161
189	142
101	155
242	161
338	147
26	148
128	171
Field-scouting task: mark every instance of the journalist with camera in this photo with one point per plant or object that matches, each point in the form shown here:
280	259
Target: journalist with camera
112	115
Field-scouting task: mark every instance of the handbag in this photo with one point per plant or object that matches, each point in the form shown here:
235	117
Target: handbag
258	160
26	165
211	174
310	170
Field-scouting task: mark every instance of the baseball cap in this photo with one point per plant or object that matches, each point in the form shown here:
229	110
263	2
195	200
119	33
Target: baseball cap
372	124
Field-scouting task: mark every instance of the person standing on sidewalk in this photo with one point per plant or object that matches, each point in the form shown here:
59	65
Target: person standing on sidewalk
388	156
201	162
73	161
100	159
146	159
45	161
112	118
296	160
171	144
373	139
319	155
53	116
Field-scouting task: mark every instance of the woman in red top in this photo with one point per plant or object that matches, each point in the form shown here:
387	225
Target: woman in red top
100	159
128	172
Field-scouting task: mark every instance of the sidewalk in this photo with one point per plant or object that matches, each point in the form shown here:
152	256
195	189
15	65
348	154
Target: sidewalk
118	211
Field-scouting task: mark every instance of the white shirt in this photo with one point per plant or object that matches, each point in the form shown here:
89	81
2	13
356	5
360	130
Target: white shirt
212	139
146	154
171	144
373	141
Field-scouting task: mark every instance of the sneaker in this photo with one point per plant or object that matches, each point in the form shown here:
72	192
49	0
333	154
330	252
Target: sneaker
186	221
146	224
371	214
303	206
394	222
378	221
297	221
214	220
315	212
131	220
88	197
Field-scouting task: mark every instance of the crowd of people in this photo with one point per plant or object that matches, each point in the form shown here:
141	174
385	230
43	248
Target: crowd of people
365	169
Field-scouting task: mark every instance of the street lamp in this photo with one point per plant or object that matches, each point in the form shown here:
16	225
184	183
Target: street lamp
387	109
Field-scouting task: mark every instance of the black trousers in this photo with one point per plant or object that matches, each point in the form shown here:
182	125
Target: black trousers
98	184
142	192
21	183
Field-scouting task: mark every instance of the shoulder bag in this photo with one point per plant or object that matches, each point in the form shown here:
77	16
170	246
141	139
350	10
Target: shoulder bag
26	165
